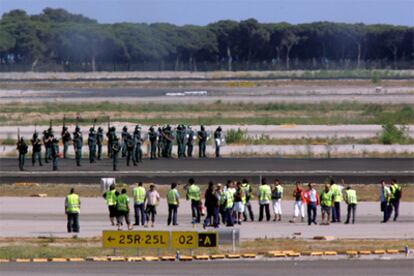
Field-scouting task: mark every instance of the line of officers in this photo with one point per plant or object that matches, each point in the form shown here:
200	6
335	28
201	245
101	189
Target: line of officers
233	203
130	144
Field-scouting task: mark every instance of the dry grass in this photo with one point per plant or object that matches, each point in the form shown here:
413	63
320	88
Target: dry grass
364	192
48	247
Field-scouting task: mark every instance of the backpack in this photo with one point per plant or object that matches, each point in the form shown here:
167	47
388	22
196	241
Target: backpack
397	193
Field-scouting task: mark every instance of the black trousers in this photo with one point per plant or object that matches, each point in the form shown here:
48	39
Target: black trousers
266	208
73	222
172	214
312	213
351	209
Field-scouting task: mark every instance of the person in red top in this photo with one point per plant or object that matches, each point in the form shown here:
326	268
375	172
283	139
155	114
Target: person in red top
299	205
312	200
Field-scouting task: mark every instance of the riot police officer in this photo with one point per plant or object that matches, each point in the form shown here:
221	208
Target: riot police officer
202	139
65	139
99	142
22	149
153	137
92	145
36	149
77	144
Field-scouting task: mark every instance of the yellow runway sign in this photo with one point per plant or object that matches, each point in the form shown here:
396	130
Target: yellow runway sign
185	239
136	239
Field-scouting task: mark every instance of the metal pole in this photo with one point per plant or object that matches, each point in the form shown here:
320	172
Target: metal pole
233	237
137	251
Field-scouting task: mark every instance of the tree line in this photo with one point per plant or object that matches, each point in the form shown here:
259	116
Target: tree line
59	40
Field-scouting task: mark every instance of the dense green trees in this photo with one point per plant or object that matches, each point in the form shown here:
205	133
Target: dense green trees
58	40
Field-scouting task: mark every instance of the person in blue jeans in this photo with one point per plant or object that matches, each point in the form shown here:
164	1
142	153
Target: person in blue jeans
312	200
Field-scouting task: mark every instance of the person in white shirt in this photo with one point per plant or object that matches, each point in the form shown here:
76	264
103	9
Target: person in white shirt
152	198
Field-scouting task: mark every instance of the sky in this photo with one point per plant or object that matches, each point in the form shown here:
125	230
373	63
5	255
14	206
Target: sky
202	12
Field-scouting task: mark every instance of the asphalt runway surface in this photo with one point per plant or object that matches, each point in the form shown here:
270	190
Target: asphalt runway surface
352	170
34	217
229	268
284	93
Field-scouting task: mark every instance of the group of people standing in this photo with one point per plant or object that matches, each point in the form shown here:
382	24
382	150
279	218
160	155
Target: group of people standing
129	145
231	204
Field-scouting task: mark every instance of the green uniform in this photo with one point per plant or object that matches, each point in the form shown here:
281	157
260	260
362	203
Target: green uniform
92	145
65	139
36	150
116	147
77	144
202	139
55	153
99	142
138	143
22	148
122	203
152	135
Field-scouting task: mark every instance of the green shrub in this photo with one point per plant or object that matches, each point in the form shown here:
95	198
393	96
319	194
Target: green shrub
391	134
235	136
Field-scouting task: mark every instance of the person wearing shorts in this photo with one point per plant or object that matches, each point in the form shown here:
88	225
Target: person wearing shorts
238	202
326	199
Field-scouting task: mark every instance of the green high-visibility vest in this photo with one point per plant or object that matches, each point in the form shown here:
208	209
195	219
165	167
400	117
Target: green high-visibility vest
326	198
193	192
139	195
336	193
122	202
111	197
265	193
394	188
171	197
222	198
230	199
73	203
246	192
351	196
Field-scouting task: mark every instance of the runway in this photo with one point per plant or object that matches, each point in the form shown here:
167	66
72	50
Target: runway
237	268
352	170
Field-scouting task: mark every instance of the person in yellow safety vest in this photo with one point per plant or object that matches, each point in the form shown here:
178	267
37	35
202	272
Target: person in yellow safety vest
326	199
173	200
111	198
194	195
247	197
352	201
277	194
122	207
72	210
265	196
139	206
229	205
336	208
385	198
395	198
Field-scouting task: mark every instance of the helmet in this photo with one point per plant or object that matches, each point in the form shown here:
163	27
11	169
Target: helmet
100	129
125	128
77	128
